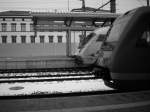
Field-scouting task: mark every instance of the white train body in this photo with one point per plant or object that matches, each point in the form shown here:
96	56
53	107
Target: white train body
88	50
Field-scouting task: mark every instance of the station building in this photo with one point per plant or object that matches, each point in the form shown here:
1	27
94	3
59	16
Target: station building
18	39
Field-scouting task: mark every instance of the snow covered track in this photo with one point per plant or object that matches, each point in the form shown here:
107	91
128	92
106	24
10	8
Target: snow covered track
39	83
52	88
39	79
45	76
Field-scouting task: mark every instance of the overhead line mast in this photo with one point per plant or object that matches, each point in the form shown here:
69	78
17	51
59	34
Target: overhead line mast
85	9
147	2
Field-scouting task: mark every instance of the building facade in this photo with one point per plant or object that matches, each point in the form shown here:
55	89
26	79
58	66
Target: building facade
18	39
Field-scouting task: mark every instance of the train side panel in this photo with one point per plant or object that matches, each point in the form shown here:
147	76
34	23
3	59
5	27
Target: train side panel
130	59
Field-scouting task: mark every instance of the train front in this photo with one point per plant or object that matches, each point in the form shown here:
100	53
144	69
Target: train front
126	51
88	49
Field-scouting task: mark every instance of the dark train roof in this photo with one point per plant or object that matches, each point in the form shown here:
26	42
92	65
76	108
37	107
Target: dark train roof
137	11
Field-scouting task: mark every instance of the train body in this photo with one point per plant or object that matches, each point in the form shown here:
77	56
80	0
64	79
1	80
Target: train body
126	51
124	55
88	50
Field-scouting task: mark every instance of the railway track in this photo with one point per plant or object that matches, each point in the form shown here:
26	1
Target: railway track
33	76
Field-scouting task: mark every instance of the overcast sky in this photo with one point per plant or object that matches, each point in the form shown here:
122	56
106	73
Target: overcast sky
64	5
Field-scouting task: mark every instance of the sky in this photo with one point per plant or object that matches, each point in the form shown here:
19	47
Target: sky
65	5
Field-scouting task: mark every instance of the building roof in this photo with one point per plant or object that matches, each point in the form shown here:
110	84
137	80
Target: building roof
89	9
79	16
15	13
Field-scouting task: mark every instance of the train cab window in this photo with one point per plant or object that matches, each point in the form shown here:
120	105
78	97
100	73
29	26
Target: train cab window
101	37
144	39
108	46
110	41
86	40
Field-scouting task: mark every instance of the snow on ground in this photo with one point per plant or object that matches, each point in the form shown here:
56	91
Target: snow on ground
53	87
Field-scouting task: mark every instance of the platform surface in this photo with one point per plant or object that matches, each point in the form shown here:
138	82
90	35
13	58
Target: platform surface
117	102
37	62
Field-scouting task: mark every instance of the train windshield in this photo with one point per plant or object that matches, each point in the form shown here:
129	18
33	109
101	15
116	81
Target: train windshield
101	37
86	40
144	39
114	34
109	42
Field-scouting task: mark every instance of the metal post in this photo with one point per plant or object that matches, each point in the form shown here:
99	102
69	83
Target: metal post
84	34
35	26
68	6
68	42
147	2
113	6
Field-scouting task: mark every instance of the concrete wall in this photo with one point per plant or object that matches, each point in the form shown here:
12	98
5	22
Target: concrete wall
38	49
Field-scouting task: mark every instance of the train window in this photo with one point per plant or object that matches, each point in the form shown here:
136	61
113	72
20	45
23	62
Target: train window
101	37
144	40
114	33
108	46
110	42
86	40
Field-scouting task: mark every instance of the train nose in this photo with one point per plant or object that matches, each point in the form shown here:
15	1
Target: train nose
102	72
78	59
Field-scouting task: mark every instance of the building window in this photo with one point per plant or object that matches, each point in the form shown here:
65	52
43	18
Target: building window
4	39
51	39
13	39
3	19
13	27
59	39
23	39
32	39
13	19
4	27
42	39
31	27
23	27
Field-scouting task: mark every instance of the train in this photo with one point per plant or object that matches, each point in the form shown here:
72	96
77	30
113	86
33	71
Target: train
119	53
123	56
88	49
